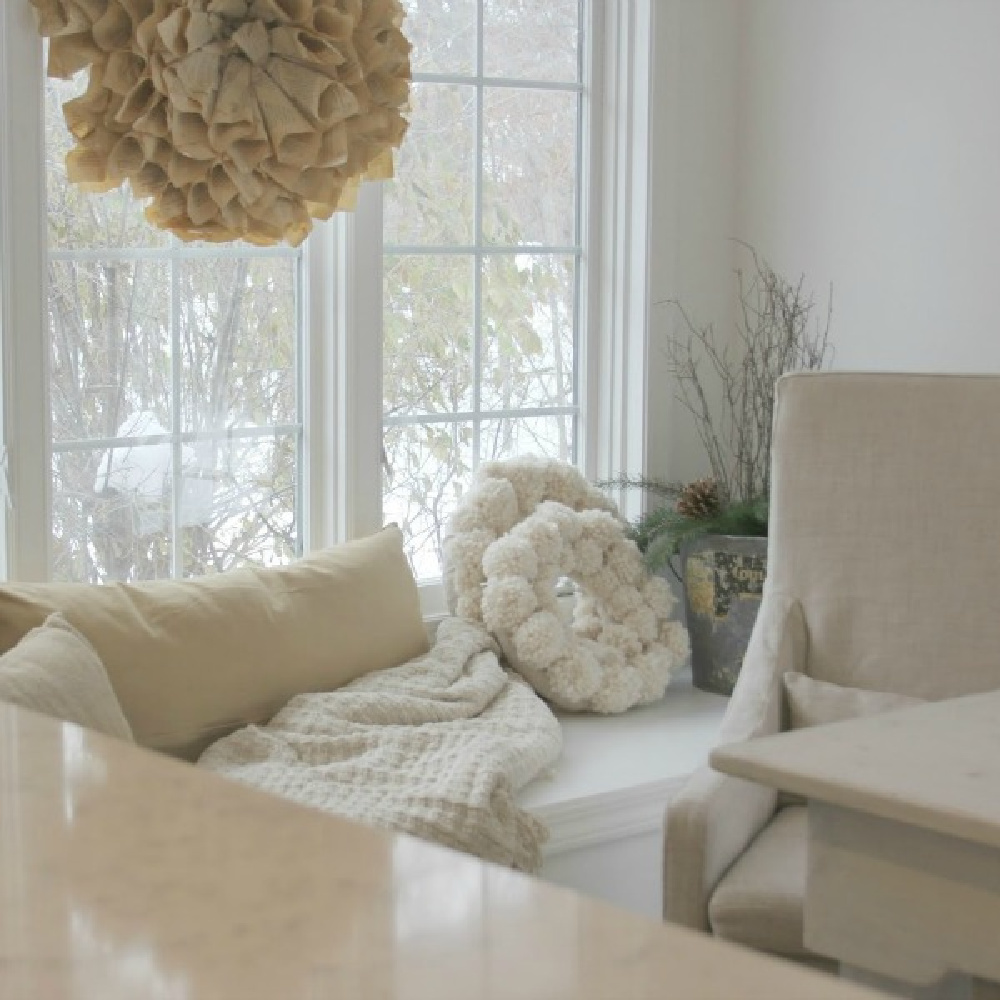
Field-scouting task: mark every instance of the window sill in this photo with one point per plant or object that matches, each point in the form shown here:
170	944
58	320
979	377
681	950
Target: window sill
617	773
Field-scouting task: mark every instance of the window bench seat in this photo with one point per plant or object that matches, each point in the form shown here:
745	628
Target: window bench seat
605	801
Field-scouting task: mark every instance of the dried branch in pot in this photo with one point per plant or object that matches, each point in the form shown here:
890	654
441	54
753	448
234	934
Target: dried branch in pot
776	332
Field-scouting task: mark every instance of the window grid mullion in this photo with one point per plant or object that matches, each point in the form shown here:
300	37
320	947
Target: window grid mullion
302	510
477	289
504	83
178	252
418	419
176	454
185	437
460	250
578	286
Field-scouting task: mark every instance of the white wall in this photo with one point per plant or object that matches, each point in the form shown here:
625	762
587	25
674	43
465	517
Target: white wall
868	156
853	141
694	137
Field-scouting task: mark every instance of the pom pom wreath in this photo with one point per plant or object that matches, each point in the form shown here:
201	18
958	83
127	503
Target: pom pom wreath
530	522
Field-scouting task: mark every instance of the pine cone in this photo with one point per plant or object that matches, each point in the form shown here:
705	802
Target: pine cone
699	499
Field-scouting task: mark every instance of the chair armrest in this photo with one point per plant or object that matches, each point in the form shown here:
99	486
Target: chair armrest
714	817
709	825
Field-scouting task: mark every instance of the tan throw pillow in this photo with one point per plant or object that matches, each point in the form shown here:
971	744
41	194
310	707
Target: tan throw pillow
192	660
55	671
813	702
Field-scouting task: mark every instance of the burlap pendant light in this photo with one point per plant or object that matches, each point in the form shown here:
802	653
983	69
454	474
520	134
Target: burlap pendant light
238	119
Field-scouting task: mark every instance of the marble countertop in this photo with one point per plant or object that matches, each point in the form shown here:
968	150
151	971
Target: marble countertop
125	874
934	766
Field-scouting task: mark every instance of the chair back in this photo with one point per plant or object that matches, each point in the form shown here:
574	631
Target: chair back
885	524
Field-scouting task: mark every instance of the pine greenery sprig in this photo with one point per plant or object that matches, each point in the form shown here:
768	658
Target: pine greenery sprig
662	532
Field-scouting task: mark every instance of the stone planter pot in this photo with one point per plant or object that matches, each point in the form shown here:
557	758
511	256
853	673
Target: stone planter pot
723	582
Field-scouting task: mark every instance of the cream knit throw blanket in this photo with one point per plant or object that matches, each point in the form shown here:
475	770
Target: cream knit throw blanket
437	747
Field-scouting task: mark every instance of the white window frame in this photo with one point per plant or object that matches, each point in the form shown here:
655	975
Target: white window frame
613	269
343	287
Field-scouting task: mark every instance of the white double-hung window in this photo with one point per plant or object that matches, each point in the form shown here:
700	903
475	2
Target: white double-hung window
174	375
482	256
172	409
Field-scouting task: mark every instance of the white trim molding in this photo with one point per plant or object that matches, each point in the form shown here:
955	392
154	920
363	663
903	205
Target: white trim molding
607	817
618	380
23	236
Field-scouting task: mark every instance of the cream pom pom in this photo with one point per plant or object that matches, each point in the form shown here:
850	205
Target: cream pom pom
464	521
468	548
545	592
470	606
602	527
565	483
565	519
674	637
576	677
585	605
621	647
588	627
546	541
619	691
589	556
658	596
621	638
654	673
623	601
625	560
463	563
507	601
510	556
643	623
466	576
528	483
496	504
540	639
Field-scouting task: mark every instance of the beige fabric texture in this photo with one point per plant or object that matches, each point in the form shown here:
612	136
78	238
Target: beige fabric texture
884	497
712	819
884	494
759	900
813	702
192	660
53	670
437	748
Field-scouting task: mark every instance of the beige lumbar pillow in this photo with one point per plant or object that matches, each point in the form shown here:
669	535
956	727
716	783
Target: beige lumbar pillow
192	660
55	671
813	702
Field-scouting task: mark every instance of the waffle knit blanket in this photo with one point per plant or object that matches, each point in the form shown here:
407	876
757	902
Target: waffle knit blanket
437	747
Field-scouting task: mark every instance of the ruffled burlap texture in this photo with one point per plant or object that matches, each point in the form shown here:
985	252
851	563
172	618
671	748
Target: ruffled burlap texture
239	119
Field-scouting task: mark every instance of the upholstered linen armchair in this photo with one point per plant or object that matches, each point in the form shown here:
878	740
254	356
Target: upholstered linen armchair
883	574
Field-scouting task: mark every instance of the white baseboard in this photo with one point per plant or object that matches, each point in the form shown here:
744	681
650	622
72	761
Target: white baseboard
605	817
